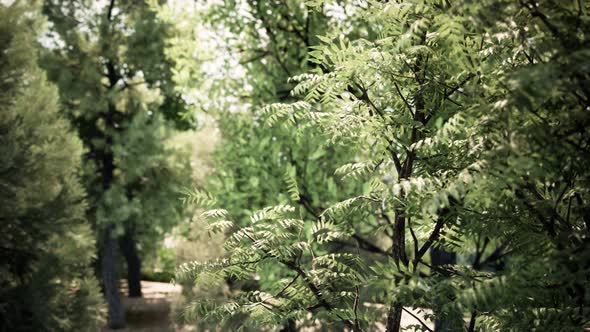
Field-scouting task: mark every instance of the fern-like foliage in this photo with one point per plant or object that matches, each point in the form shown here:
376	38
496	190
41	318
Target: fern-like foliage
464	124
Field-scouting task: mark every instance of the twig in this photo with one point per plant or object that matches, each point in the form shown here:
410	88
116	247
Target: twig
399	92
418	319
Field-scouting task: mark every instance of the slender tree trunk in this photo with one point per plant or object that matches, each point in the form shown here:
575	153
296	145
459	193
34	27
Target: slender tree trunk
116	319
129	250
398	249
398	252
289	326
394	317
405	171
108	262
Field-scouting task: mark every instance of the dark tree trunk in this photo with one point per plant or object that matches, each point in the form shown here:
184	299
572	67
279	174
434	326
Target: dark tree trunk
398	252
109	247
439	257
129	250
108	264
394	318
289	326
405	170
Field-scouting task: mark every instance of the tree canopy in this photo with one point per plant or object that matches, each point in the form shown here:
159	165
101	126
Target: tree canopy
462	124
359	161
115	87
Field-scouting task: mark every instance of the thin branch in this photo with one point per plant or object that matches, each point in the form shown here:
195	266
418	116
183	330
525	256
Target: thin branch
415	239
442	213
532	8
454	102
399	92
365	97
288	285
255	58
548	227
417	318
272	37
110	10
433	237
479	253
495	255
459	86
316	292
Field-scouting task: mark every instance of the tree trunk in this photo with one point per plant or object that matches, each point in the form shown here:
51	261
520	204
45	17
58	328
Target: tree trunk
108	262
116	319
129	250
405	170
398	252
394	318
289	326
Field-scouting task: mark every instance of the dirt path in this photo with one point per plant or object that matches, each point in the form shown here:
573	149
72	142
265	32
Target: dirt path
150	313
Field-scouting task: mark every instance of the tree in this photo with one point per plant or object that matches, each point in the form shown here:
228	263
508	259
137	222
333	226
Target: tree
46	246
255	161
114	81
466	127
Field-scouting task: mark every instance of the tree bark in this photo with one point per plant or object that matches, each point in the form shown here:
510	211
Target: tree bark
405	171
129	250
289	326
116	319
398	252
394	317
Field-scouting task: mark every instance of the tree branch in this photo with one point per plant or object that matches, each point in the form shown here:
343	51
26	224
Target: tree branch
399	92
418	319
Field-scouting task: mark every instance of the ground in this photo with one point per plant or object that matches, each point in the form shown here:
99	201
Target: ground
152	312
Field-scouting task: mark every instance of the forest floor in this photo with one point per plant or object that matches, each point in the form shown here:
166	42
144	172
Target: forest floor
153	311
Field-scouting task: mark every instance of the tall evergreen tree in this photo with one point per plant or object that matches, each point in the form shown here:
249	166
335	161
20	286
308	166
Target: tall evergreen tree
114	81
46	244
